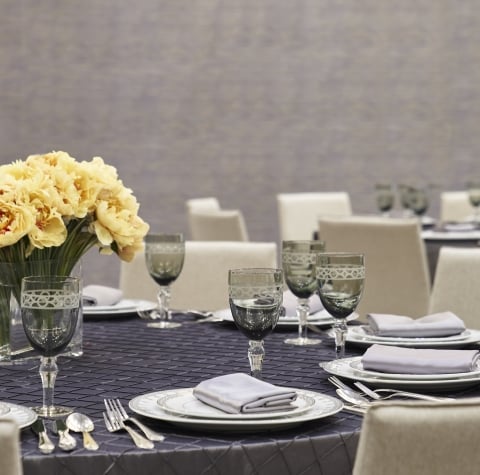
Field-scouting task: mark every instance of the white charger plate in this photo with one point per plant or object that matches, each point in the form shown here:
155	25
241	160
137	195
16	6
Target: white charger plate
23	416
343	368
320	318
356	334
182	402
324	406
124	307
358	366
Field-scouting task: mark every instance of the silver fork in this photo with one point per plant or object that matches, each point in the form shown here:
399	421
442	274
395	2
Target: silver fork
149	433
114	423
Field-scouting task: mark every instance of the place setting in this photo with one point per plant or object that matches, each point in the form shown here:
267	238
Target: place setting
439	330
428	369
237	401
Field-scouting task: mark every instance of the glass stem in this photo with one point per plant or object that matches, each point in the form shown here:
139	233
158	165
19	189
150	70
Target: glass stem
303	309
163	298
256	354
340	331
48	372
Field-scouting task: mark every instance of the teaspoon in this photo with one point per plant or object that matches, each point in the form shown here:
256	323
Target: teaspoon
79	422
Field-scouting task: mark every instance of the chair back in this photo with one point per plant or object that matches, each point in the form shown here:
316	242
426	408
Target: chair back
397	276
203	282
222	225
298	213
209	203
10	454
455	206
420	438
456	284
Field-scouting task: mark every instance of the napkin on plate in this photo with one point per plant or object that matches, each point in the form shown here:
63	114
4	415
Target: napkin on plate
396	359
437	324
290	303
239	393
101	295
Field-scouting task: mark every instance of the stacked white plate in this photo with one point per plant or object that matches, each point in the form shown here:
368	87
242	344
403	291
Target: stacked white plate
351	368
181	408
124	307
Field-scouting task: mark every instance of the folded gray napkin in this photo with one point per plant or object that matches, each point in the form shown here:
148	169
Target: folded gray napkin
437	324
239	393
290	303
395	359
101	295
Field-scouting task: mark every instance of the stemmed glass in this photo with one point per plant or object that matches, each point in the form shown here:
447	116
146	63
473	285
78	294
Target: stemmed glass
385	198
418	201
255	297
164	256
405	191
340	277
473	188
50	307
299	260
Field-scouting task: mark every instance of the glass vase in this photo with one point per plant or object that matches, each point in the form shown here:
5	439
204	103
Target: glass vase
14	346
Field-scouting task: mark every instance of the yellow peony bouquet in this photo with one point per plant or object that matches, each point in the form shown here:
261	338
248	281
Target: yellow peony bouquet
54	207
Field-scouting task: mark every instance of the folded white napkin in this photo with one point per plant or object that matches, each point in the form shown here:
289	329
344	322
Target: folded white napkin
290	303
437	324
240	393
395	359
101	295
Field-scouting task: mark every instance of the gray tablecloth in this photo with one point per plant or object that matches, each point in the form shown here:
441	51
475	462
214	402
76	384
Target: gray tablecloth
123	358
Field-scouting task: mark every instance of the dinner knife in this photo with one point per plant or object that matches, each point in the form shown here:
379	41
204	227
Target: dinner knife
45	445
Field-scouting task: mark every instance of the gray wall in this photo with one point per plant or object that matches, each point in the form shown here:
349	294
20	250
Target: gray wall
243	99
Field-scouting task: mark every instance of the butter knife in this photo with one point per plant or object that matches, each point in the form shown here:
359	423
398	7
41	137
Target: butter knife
45	445
65	440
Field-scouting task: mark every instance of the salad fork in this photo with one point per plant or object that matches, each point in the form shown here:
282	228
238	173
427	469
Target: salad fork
117	406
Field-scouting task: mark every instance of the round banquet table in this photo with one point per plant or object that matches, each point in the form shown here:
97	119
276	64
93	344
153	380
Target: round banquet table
123	359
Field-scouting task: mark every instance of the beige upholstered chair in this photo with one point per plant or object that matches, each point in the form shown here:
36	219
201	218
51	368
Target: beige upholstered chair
298	213
221	225
202	284
10	455
457	283
397	276
455	206
209	203
420	438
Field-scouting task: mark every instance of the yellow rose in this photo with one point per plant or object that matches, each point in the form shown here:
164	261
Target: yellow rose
49	229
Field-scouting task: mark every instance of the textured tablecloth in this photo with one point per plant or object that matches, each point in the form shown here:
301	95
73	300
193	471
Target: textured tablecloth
123	358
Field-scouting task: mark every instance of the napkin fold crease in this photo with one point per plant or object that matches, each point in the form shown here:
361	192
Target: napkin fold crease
435	325
401	360
100	295
239	393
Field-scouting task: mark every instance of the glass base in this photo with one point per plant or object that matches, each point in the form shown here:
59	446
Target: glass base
164	325
302	341
53	411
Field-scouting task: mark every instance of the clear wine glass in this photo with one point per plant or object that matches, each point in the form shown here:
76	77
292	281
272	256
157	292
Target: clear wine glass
418	201
340	277
164	257
473	188
255	297
385	198
50	307
405	191
299	260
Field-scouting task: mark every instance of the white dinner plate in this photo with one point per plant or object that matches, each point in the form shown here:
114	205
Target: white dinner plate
321	318
357	335
358	366
23	416
124	307
182	402
343	368
432	235
324	406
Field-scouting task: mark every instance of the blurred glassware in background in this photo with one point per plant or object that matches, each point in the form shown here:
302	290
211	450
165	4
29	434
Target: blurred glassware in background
385	198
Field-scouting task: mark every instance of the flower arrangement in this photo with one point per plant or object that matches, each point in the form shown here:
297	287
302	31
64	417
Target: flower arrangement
54	207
